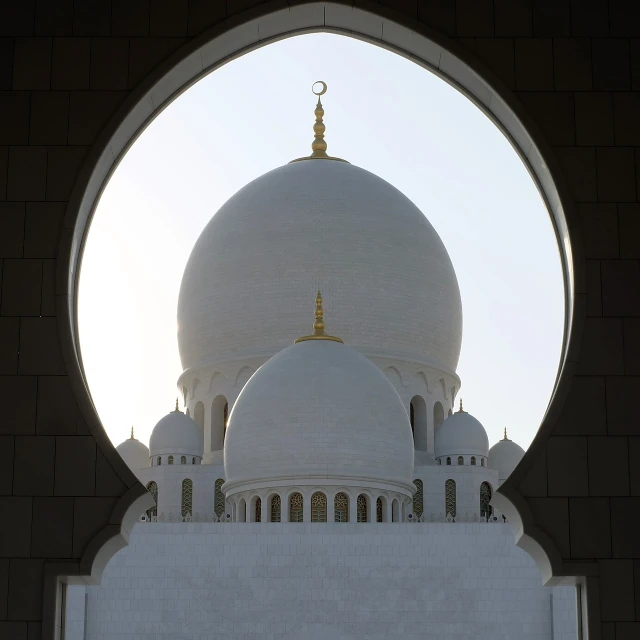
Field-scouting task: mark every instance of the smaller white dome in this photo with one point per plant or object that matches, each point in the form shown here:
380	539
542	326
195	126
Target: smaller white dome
134	453
176	433
461	435
504	457
319	412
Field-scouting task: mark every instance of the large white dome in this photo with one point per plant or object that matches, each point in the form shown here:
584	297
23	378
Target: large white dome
176	433
319	412
505	456
387	277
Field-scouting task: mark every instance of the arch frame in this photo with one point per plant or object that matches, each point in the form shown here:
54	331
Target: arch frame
240	34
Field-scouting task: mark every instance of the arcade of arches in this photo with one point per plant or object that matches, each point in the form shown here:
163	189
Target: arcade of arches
557	76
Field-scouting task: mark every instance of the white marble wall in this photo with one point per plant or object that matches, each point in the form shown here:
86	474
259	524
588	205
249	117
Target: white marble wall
247	581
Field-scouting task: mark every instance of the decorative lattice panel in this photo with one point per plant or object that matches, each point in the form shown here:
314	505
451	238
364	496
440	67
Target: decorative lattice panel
152	488
318	507
258	514
341	504
418	504
361	506
218	498
187	497
485	498
450	498
296	513
379	510
276	509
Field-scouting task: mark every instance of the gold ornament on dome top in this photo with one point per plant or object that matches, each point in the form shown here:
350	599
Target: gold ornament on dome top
319	145
461	410
318	325
505	434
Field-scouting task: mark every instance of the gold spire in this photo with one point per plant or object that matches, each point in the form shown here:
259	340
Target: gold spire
461	410
177	408
132	438
319	145
505	434
318	325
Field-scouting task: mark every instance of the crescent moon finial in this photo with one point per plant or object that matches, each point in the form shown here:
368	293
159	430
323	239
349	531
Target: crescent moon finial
322	91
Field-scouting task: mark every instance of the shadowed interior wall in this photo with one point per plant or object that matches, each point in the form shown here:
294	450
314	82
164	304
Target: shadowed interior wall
66	68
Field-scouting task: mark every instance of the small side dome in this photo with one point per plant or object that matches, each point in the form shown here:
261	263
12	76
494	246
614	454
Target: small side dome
461	435
176	434
134	453
504	456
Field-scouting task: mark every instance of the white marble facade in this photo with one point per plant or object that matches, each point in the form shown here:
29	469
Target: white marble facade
249	581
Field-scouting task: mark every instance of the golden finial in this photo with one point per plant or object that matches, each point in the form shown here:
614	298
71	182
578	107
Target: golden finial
461	410
319	145
177	408
505	434
318	325
132	438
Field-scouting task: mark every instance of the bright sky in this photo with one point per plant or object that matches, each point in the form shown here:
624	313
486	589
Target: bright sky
382	113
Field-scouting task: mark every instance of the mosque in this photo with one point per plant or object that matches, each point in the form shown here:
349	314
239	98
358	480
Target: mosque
322	479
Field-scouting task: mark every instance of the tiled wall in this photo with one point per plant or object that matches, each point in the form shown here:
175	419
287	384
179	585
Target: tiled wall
65	67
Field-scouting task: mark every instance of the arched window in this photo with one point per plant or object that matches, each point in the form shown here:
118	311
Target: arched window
448	460
198	414
218	498
318	507
187	497
482	462
152	488
361	508
418	498
170	460
296	513
242	511
473	461
485	498
450	498
341	506
418	408
379	515
258	510
395	511
159	460
412	419
276	509
460	460
438	415
218	422
183	460
193	460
